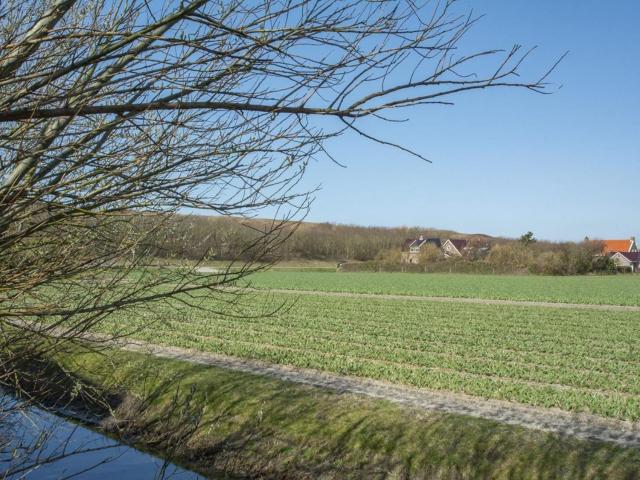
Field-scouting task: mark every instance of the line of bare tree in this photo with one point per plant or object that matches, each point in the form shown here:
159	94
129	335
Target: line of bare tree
194	237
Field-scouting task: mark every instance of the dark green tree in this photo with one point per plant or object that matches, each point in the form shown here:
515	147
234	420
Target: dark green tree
528	238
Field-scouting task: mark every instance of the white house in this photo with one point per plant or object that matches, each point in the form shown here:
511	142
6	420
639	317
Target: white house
412	246
630	260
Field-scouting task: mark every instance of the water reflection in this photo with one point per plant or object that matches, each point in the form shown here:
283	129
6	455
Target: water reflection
64	450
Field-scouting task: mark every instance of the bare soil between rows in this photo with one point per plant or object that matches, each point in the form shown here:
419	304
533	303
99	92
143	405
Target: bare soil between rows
581	425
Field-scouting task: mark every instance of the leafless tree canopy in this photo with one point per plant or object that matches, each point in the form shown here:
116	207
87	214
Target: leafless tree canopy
115	111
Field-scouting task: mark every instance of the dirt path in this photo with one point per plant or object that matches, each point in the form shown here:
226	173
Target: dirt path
481	301
551	420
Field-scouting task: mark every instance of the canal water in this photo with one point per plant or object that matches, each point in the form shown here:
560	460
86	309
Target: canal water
68	450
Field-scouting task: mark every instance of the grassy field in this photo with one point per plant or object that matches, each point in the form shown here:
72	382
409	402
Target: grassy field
614	290
253	426
577	360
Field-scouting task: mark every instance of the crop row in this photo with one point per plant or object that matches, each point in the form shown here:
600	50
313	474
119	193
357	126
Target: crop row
595	346
577	360
610	289
622	382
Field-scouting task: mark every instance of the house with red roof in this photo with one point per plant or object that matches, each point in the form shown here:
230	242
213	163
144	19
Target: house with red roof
624	253
613	246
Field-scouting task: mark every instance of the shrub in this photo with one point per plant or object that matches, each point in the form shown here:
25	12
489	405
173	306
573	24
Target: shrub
430	254
510	257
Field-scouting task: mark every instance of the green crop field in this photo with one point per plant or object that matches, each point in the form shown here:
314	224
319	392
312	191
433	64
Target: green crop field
577	360
613	289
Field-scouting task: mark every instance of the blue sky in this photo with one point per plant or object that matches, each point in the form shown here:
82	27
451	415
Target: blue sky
504	162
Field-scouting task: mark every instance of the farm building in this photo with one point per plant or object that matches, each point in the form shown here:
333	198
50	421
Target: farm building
627	260
454	247
612	246
450	247
412	246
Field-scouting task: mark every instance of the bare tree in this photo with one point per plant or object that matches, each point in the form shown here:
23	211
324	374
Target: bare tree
116	114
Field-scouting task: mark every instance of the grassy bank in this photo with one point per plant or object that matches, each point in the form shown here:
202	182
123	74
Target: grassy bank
256	426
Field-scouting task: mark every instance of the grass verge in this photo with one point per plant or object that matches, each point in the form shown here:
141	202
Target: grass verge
260	427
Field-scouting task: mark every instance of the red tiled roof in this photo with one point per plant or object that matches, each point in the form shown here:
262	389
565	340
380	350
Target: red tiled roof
612	246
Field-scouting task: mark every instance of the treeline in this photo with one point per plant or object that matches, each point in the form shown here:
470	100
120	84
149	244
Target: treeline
526	255
566	258
364	248
227	238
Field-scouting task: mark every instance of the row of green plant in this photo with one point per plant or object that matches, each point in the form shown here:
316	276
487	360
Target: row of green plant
577	360
615	290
